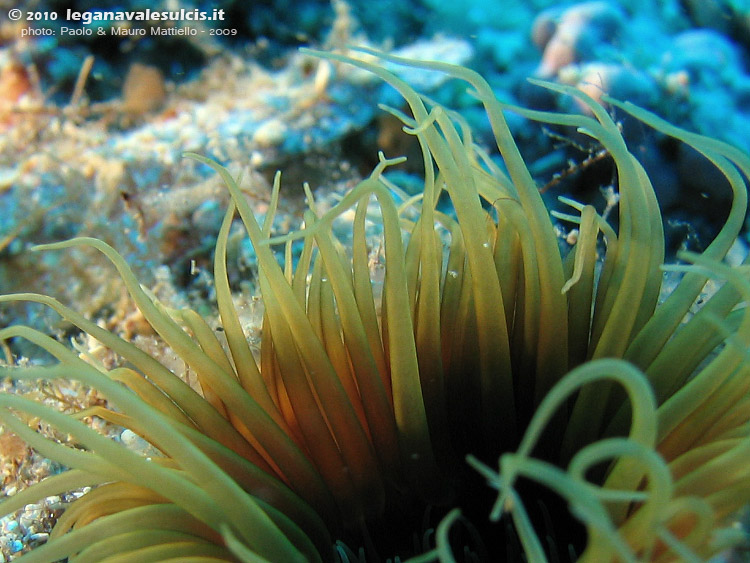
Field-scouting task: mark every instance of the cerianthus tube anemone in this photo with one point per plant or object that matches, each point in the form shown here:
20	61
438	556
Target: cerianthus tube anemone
495	396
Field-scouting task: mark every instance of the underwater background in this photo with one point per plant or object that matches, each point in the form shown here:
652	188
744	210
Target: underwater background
97	109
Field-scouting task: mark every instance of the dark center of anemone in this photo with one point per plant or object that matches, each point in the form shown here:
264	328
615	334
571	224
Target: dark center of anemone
408	525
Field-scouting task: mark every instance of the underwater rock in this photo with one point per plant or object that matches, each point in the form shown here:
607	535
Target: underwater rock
143	90
576	33
714	85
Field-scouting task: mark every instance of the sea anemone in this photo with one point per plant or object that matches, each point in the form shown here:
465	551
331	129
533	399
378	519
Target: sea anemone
508	395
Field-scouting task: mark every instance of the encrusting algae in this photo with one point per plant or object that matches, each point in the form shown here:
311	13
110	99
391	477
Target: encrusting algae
490	363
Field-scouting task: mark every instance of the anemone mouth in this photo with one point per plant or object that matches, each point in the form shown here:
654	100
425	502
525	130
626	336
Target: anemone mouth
407	527
488	373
